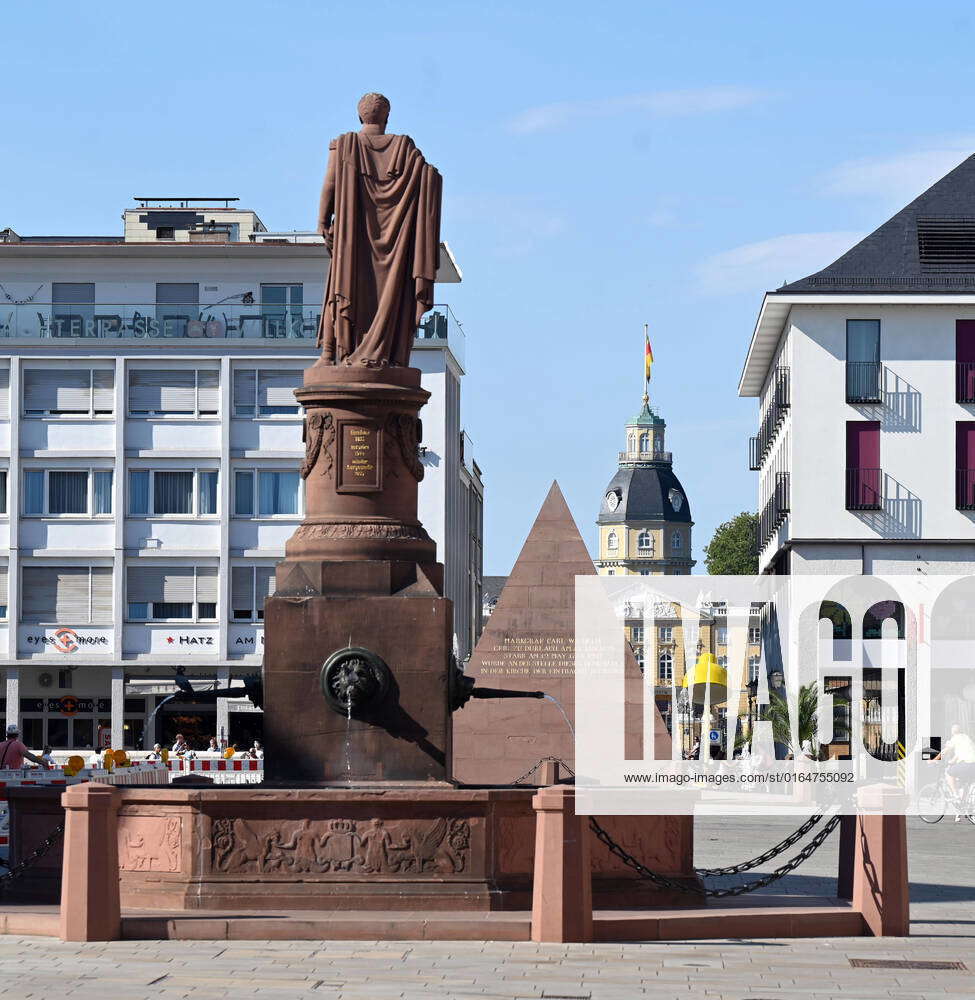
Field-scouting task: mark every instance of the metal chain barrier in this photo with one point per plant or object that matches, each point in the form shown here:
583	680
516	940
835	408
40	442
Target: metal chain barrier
22	866
651	876
772	852
663	882
723	893
544	760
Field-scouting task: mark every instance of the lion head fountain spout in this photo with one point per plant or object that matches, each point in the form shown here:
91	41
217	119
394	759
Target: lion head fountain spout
354	679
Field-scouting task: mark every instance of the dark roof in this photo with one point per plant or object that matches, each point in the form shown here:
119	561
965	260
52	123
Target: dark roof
927	246
644	495
491	587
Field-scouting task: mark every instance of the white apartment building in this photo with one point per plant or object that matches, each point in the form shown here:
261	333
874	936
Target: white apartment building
149	452
865	376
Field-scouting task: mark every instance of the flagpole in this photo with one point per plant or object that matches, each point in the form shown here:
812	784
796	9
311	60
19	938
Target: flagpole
646	380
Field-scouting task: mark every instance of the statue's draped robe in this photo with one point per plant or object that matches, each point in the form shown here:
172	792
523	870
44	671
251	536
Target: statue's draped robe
385	250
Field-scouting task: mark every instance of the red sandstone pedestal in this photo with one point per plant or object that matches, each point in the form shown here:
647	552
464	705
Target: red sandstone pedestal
360	572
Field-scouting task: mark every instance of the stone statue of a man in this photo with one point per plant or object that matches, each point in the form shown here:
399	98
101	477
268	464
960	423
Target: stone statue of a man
380	216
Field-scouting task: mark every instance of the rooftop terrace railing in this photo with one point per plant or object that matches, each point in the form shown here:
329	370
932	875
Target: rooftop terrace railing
162	321
440	324
192	321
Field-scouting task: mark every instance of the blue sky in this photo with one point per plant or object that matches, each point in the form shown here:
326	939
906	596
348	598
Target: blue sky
604	166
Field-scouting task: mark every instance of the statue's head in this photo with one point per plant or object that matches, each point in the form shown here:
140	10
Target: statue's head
373	110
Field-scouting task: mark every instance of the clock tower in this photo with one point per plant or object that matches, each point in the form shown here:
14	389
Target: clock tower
644	517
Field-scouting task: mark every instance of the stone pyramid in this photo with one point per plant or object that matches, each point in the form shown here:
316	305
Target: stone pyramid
528	645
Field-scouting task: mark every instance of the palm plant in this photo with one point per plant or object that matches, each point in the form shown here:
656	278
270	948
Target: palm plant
807	720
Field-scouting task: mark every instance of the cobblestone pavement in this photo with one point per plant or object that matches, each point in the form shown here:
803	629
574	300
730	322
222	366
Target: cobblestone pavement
943	922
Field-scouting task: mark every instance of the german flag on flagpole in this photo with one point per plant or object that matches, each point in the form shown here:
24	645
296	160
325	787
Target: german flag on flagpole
648	354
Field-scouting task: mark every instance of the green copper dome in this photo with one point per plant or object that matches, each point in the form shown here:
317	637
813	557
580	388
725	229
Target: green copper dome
646	418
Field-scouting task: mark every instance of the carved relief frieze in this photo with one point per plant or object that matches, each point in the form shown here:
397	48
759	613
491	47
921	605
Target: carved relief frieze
149	843
341	846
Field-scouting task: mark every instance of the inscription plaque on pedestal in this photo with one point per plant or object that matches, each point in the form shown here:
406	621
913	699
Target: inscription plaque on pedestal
360	457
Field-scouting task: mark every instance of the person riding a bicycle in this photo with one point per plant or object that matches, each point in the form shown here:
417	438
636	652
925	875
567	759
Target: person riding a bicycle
961	761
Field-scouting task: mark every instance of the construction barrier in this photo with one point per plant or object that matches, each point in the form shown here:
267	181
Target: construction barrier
243	770
217	765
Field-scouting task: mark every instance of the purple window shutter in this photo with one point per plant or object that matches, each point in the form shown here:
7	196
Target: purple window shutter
965	356
965	462
965	339
965	444
863	463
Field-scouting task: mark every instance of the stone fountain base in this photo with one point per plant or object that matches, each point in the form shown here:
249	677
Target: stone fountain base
396	848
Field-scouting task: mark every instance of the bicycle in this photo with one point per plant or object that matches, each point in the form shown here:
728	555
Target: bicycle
933	800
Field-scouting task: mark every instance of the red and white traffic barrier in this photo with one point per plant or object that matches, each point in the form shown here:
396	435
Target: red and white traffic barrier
141	773
189	764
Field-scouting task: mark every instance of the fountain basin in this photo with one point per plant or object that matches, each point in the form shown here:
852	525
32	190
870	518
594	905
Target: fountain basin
399	847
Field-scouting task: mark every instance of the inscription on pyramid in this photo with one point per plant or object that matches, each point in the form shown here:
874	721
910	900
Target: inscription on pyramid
528	645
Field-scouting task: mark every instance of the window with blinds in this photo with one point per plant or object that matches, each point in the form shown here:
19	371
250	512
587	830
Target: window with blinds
4	393
267	493
155	492
171	593
3	491
66	595
86	392
3	593
249	586
55	492
177	392
266	392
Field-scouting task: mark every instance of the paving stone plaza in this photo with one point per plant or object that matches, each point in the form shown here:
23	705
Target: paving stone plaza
942	928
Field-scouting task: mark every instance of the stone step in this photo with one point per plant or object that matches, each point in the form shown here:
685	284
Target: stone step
759	917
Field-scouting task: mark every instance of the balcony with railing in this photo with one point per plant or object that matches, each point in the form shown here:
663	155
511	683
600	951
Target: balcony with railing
782	492
775	510
864	489
965	489
779	403
864	382
194	321
646	456
965	381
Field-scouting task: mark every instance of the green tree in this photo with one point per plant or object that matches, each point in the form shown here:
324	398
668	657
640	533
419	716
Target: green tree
732	550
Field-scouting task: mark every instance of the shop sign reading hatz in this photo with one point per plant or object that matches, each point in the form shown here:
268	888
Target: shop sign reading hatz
188	641
65	639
